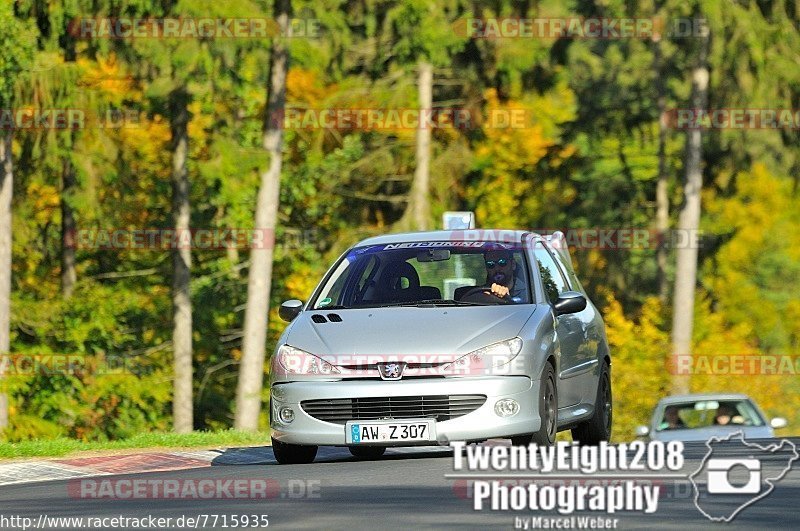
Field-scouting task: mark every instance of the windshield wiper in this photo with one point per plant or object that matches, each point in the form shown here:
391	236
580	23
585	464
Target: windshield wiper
450	302
432	303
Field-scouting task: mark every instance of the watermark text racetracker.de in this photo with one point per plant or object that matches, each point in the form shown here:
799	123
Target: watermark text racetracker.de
193	238
603	28
203	488
632	467
591	238
147	521
52	119
687	119
33	363
192	28
742	364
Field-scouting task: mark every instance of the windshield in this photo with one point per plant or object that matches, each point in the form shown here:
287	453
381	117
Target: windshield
439	273
705	413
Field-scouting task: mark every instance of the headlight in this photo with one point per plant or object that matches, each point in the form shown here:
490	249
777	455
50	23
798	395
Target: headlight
296	361
494	355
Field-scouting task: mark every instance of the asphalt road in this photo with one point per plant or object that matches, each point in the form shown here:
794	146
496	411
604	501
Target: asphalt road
406	488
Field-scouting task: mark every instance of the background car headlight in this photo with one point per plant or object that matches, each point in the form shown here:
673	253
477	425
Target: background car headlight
494	355
296	361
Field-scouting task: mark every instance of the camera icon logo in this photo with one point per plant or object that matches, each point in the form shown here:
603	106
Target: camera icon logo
719	472
734	474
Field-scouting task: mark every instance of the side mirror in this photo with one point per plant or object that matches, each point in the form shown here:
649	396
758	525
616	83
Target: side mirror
290	309
778	423
642	431
570	302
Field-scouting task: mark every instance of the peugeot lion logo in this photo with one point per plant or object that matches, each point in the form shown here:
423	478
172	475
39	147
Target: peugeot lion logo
391	371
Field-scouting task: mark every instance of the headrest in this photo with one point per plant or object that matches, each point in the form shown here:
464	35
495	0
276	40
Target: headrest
401	270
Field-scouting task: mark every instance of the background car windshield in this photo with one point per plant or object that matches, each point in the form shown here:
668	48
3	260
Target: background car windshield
420	272
705	413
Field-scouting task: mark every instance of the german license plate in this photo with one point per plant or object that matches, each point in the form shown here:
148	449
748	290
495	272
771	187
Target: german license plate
389	431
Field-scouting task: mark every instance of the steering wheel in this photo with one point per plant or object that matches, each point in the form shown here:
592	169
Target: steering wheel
483	294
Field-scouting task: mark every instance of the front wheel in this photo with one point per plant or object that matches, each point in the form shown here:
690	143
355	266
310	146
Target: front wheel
293	454
548	412
598	428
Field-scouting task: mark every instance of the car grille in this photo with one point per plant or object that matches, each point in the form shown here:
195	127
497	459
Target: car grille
439	407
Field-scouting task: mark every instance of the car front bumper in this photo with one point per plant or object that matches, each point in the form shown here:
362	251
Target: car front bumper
483	423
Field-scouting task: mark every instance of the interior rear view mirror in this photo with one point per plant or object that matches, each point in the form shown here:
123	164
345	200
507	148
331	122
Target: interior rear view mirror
433	255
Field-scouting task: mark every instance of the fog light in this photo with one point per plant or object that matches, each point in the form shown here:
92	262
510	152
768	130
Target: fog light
506	407
286	414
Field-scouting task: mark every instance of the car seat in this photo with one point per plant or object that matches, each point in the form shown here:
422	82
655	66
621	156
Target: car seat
395	291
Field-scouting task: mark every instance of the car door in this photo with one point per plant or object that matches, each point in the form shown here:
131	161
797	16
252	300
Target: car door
571	330
594	347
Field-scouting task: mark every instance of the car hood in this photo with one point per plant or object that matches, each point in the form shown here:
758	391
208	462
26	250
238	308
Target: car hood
442	331
704	434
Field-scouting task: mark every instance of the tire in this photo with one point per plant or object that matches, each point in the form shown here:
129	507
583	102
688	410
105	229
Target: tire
367	452
293	454
548	412
598	428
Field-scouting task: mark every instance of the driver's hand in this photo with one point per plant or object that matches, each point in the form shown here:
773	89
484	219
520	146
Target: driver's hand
500	290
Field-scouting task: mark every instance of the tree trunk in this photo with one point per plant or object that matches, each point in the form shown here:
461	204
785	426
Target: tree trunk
182	407
688	224
662	196
68	274
259	279
6	190
419	201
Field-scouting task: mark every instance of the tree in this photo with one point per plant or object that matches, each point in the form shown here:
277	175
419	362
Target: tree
182	406
6	190
666	56
419	201
17	41
169	65
689	223
423	35
175	69
69	275
68	183
662	181
259	280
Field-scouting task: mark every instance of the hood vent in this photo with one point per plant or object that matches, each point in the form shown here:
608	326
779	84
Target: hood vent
334	317
317	318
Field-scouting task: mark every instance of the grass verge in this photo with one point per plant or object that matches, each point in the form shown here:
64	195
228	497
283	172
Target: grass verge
62	447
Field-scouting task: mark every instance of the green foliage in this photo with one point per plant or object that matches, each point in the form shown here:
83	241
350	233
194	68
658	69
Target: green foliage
755	274
198	439
119	384
423	30
17	40
587	157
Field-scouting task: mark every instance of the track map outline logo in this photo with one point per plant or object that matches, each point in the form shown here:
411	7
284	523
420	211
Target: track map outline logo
718	485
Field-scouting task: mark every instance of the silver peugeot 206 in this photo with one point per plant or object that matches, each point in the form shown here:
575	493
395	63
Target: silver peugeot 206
430	337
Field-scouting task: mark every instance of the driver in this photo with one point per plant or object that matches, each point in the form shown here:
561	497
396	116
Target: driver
501	275
672	419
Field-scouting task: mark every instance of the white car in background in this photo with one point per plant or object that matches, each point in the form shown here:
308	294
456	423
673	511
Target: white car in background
698	417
